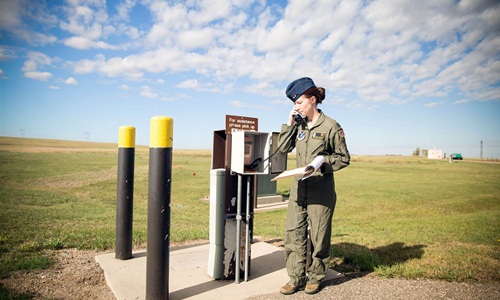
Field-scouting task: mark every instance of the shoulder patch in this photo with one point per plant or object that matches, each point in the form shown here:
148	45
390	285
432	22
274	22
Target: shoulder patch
301	135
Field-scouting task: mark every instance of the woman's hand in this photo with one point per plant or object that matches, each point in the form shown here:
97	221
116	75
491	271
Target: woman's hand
291	121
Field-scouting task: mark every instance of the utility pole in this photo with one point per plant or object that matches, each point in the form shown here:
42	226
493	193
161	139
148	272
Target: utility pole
481	155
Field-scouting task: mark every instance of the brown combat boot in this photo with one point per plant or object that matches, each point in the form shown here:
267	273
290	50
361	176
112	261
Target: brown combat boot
312	288
290	288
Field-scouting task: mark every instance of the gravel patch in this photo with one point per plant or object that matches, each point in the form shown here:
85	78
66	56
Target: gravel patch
371	287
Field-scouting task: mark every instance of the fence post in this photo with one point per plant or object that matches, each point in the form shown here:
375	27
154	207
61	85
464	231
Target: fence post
160	175
125	192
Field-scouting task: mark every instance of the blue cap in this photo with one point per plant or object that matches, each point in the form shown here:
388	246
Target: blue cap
298	87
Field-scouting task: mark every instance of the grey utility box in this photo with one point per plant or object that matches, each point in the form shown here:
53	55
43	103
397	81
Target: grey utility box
216	230
252	147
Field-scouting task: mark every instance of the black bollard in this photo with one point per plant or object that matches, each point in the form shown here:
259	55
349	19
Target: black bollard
125	192
160	178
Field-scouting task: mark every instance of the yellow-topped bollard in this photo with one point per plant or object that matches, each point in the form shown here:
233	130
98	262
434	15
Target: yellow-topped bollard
160	179
126	137
161	132
125	192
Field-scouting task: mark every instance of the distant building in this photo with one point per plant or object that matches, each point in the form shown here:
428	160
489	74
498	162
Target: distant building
435	154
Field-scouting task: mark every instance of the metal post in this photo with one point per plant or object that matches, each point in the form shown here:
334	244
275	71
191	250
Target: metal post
160	175
238	232
247	230
125	192
309	249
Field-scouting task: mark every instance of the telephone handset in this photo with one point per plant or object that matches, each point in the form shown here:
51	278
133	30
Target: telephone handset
248	150
299	120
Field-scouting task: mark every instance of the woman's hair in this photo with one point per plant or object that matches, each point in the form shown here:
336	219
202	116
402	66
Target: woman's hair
318	92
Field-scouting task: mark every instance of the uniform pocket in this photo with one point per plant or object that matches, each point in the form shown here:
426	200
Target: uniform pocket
317	147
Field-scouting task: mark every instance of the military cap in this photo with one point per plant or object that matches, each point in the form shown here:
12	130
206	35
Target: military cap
298	87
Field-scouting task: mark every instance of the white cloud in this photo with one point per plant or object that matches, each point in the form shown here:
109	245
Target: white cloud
147	92
71	81
34	38
189	84
192	39
207	87
53	87
10	14
390	51
208	11
87	19
124	9
15	14
6	54
461	101
35	60
83	43
133	33
433	104
263	86
86	66
114	67
42	76
239	104
169	99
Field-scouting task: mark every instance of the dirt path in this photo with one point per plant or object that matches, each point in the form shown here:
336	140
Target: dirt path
74	275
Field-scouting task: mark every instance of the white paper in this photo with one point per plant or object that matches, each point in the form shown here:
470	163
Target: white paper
313	166
303	172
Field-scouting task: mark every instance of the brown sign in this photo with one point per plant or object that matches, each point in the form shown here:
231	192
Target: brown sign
238	123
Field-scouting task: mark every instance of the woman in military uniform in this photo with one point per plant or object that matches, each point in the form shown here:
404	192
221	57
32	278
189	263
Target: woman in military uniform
312	201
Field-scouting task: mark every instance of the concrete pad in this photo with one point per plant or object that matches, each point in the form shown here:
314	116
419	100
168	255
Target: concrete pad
188	278
269	199
271	206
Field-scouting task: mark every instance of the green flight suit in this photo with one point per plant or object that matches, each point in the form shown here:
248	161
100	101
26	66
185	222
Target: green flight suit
312	201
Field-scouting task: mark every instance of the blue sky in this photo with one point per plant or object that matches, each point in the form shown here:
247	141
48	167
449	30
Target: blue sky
398	74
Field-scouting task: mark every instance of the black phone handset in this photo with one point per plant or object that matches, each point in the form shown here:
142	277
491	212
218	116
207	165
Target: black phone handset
300	120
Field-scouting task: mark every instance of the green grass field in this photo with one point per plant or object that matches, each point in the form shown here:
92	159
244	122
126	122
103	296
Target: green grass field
403	217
